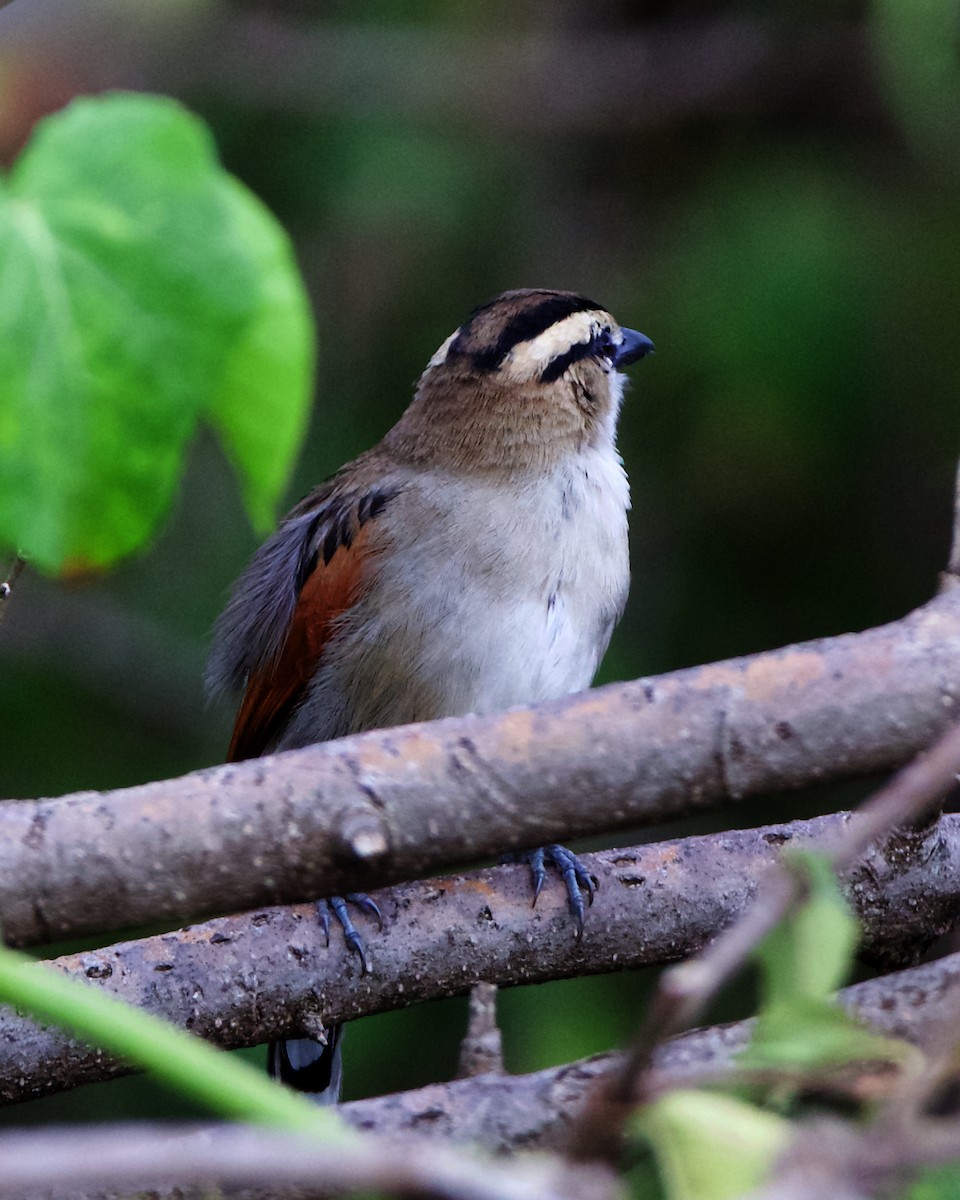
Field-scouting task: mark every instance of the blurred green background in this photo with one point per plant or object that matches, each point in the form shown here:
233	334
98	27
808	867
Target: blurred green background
774	197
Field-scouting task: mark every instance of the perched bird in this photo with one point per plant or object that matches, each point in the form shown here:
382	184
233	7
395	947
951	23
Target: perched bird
476	558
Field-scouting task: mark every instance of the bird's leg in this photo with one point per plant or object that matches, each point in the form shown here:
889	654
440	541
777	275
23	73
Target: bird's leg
338	906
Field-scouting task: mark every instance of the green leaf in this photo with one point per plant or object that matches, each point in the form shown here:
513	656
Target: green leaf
810	952
141	290
803	961
709	1146
271	364
806	1034
219	1081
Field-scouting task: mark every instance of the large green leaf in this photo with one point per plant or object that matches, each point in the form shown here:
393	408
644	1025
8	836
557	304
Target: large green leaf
260	407
141	289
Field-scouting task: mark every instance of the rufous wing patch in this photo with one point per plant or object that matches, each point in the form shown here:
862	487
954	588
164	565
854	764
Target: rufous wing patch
274	690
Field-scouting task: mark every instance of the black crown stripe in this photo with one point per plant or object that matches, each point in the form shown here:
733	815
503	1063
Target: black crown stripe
527	325
556	366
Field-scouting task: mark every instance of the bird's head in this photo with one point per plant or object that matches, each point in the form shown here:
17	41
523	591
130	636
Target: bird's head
527	377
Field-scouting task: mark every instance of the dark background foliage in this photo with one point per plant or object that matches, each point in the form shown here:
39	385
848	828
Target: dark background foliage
773	197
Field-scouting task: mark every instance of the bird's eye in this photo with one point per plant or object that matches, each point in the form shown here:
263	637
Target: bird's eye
606	345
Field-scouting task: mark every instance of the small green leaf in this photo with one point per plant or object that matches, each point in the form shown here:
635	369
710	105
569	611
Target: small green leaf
803	961
810	953
709	1146
141	290
807	1034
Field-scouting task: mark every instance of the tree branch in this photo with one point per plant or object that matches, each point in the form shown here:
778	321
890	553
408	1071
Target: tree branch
952	576
240	981
500	1113
576	80
369	809
481	1050
685	990
507	1112
132	1157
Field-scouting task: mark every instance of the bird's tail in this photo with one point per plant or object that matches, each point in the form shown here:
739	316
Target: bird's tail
309	1066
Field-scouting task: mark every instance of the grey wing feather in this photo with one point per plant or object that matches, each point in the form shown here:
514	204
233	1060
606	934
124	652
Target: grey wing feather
250	631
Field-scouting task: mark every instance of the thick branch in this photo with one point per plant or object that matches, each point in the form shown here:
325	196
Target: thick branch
497	1112
528	83
239	981
376	808
507	1112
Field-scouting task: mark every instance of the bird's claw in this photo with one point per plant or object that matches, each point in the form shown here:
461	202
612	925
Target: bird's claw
338	906
576	878
362	901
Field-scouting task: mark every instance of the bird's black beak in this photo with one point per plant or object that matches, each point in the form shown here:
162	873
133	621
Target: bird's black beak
633	347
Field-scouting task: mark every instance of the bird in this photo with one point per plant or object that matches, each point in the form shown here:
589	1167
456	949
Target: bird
475	559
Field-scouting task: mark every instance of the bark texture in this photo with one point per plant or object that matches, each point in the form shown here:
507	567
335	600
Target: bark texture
403	803
498	1112
239	981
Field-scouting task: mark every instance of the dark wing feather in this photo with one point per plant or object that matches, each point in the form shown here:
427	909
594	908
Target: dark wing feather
251	629
284	610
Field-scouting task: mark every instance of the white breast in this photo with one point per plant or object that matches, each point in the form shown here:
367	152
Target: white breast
497	595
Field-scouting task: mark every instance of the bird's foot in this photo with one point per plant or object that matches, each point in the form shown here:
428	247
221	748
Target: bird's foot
576	878
338	906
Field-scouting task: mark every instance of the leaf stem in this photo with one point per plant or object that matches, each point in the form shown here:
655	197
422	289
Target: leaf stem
195	1069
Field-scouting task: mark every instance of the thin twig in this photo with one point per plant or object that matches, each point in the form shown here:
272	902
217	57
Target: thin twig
686	990
135	1157
952	576
481	1051
6	588
910	798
